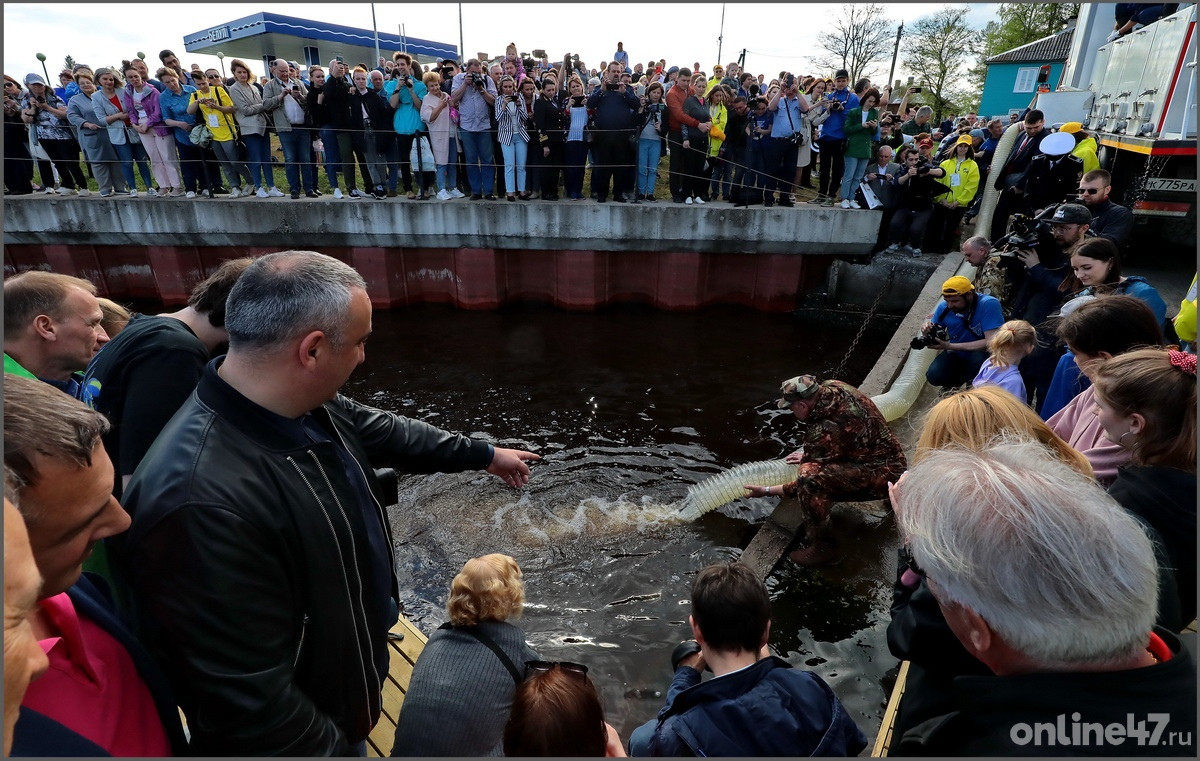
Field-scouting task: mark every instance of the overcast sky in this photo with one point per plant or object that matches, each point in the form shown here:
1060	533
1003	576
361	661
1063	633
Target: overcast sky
776	36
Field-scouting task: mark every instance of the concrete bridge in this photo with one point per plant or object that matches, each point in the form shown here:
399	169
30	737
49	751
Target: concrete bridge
474	255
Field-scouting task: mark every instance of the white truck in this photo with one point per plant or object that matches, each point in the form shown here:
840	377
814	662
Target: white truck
1137	95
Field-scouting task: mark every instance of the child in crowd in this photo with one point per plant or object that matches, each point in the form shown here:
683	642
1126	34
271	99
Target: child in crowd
1013	342
1146	403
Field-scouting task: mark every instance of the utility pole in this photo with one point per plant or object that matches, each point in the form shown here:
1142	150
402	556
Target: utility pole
721	34
375	27
461	49
742	60
895	52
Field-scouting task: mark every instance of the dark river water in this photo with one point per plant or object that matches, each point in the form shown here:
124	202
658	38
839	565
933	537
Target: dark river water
627	407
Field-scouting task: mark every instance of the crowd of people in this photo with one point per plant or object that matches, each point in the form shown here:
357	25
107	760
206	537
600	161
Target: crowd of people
524	127
196	530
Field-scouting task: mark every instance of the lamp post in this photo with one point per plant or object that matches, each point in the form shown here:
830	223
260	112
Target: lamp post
42	57
221	57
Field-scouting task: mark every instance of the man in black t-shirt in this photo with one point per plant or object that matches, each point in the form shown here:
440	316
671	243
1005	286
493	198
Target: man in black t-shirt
140	380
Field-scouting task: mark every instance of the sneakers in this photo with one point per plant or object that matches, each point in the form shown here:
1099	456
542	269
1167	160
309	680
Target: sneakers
817	201
65	191
235	192
132	192
190	194
206	193
914	251
456	193
337	193
354	193
262	193
312	194
845	203
689	201
854	204
84	192
700	200
274	192
893	248
828	201
50	191
295	195
176	193
152	193
444	195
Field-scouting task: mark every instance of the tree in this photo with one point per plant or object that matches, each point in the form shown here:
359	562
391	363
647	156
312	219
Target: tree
855	40
69	63
1019	24
935	51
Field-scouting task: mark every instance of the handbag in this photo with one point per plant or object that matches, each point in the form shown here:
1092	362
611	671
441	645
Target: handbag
201	135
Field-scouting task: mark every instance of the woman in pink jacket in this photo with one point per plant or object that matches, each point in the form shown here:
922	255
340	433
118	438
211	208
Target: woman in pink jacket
141	103
1100	329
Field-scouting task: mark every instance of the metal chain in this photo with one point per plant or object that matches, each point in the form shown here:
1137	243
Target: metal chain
841	368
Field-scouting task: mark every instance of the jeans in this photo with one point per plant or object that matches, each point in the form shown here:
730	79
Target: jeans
832	162
236	171
447	174
161	149
191	166
333	156
297	144
954	368
852	175
515	156
908	226
574	156
649	154
258	159
478	149
129	153
722	176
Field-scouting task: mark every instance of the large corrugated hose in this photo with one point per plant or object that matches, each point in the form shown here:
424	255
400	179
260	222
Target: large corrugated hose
724	488
990	195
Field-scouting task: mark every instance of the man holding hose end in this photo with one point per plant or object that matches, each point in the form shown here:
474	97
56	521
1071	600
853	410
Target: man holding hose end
848	454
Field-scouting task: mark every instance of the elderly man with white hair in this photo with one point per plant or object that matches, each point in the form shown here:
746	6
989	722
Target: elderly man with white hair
1048	582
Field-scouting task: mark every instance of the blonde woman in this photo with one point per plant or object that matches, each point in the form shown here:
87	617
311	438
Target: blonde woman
443	136
252	123
463	683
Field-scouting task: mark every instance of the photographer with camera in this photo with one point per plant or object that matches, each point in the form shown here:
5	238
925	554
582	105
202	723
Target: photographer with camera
46	113
613	106
915	187
832	144
787	133
960	328
286	100
404	93
474	95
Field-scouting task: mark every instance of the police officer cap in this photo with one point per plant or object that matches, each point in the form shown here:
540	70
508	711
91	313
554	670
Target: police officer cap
1058	144
1071	214
796	389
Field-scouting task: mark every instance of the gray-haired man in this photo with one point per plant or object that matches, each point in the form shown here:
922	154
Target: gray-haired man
1050	584
259	547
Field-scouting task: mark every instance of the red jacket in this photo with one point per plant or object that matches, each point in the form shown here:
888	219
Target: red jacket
677	118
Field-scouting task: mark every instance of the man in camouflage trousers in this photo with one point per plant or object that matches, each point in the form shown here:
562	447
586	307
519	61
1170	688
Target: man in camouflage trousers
848	454
991	276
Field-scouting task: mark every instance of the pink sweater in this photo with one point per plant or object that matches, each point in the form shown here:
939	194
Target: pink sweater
1078	425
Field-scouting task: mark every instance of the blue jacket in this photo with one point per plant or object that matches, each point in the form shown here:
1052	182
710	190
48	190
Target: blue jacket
768	709
38	735
834	126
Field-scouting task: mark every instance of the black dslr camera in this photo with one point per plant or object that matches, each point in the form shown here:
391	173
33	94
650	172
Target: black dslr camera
403	80
924	168
923	341
477	79
1027	232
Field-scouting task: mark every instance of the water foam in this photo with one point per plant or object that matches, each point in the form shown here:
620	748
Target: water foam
723	488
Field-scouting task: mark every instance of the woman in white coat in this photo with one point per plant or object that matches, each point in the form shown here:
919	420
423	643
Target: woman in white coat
443	136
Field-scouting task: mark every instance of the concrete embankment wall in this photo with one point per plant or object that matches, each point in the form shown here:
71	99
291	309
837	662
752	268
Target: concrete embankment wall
475	255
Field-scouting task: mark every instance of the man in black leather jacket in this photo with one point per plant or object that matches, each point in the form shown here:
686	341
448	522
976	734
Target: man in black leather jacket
260	551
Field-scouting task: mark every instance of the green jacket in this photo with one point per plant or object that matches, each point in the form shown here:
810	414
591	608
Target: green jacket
858	137
11	366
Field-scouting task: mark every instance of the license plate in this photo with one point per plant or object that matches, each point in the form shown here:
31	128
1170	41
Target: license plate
1171	186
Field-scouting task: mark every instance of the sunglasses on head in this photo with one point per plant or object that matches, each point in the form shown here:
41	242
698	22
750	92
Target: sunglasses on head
1089	191
538	667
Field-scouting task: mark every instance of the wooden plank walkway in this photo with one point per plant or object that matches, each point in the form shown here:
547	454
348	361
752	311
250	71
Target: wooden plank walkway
403	655
883	740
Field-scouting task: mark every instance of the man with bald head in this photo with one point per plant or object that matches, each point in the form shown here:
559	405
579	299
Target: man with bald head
260	549
51	327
